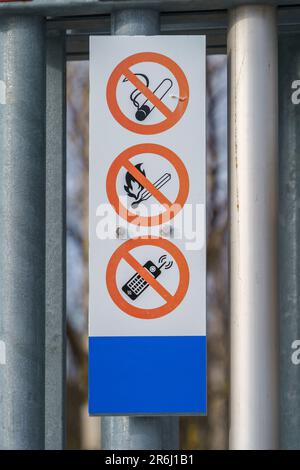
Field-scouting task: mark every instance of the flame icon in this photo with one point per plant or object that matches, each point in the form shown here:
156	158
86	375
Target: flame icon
136	190
133	188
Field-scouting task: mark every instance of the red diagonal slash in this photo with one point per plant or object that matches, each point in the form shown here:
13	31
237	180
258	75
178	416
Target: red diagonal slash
157	286
147	184
147	93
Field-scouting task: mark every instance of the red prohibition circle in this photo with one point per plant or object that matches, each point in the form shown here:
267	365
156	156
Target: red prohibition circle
171	117
172	209
171	301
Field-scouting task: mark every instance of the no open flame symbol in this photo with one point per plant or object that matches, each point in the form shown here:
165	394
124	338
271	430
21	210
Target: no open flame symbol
136	190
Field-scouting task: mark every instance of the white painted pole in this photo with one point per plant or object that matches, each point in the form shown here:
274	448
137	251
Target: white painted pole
252	53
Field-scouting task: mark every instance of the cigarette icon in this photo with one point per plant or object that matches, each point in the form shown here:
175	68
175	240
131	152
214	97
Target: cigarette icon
145	107
145	194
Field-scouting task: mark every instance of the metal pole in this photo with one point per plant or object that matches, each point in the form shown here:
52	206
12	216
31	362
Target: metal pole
141	433
252	48
55	374
289	239
22	231
135	23
138	432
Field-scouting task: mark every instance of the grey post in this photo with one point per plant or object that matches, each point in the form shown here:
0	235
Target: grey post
252	54
155	433
22	231
55	374
289	240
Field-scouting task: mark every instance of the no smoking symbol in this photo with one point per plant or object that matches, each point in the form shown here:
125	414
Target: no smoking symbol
170	117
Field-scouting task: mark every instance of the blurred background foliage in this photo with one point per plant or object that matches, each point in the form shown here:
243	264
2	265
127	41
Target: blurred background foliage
207	432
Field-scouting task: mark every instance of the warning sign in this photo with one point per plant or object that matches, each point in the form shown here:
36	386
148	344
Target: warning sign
156	80
139	188
147	215
167	257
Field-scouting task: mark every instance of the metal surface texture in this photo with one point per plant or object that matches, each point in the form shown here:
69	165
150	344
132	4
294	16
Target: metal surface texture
135	22
93	7
213	24
252	55
55	375
138	432
22	231
151	433
289	241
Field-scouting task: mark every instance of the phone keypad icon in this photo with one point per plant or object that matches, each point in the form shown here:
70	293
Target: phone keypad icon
136	284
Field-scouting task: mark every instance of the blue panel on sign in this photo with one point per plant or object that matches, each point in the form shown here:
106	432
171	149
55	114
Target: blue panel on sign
147	375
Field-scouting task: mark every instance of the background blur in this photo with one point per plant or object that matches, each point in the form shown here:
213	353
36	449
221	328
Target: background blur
210	432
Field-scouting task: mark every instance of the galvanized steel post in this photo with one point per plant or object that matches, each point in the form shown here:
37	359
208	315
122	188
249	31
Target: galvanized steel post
22	232
289	239
55	340
138	432
252	49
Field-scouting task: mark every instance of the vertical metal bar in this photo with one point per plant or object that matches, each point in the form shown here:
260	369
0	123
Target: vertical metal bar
252	45
55	374
289	239
22	231
141	433
135	22
138	432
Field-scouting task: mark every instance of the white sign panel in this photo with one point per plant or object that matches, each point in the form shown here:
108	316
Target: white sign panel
147	225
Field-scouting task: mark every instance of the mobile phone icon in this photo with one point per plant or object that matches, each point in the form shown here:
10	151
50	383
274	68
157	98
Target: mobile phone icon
137	284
